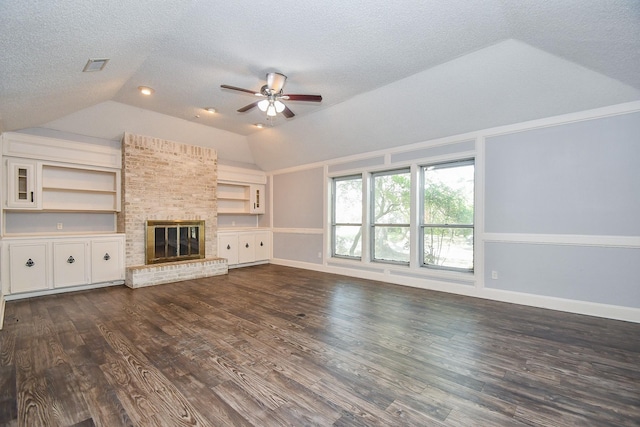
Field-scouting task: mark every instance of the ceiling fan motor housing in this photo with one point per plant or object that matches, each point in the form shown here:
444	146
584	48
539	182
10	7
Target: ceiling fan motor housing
275	82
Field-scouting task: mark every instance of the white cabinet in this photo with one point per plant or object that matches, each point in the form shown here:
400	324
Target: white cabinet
49	174
263	245
28	266
70	266
244	247
22	184
228	247
41	264
256	199
107	261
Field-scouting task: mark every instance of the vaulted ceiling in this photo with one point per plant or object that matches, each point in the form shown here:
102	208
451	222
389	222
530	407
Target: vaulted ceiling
444	66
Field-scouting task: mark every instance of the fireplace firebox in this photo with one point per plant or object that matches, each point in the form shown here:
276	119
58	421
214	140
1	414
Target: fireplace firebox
174	240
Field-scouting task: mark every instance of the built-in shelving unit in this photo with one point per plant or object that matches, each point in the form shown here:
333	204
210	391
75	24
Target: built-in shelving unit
240	191
59	201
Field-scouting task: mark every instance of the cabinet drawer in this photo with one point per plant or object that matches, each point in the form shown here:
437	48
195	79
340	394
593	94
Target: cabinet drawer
28	267
70	264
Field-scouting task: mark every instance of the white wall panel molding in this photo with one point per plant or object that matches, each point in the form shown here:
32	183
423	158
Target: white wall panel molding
565	239
572	306
44	148
612	110
298	230
1	309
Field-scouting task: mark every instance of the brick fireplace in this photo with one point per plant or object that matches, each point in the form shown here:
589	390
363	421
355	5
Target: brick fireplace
163	181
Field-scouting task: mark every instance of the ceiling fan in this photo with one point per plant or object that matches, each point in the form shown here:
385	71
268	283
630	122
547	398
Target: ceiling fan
273	96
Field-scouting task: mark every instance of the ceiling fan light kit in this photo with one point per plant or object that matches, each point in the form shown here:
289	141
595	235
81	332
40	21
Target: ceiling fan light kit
273	94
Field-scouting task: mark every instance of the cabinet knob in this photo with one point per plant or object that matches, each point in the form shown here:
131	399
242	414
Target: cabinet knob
106	257
29	263
261	244
246	246
70	260
228	246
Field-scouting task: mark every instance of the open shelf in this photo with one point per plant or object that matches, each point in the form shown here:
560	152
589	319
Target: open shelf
68	188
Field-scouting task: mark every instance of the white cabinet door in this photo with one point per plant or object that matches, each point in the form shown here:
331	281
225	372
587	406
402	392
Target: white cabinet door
256	199
263	245
228	247
106	260
70	264
28	267
246	248
22	185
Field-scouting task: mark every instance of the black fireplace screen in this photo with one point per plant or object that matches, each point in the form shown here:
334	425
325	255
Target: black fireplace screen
174	241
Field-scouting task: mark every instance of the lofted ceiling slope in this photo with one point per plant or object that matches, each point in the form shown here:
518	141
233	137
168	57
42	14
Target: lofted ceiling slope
379	59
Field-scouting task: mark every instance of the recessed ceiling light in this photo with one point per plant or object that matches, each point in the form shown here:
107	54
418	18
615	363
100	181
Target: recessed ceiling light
259	125
210	109
145	90
95	65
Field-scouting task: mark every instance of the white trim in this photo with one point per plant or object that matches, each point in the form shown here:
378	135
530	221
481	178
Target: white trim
14	297
628	314
479	212
233	174
37	147
596	113
565	239
2	301
298	230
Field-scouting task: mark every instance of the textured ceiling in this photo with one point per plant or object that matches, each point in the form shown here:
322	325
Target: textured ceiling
341	49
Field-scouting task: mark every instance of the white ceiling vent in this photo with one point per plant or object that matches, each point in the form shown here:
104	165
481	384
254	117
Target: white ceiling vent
95	65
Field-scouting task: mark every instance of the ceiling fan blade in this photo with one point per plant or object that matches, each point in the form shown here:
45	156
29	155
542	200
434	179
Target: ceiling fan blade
248	107
309	98
239	89
287	112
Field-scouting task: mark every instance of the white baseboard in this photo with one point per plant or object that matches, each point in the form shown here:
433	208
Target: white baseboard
628	314
62	290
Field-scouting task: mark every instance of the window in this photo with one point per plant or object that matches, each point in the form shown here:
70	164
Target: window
347	217
390	216
447	215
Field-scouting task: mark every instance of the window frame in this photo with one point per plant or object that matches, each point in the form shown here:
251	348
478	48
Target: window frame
422	226
372	222
335	224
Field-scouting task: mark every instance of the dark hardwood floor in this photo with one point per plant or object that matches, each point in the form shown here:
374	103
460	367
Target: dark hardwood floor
275	346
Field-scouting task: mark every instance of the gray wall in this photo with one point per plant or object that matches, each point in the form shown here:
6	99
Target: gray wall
297	199
578	178
297	247
586	273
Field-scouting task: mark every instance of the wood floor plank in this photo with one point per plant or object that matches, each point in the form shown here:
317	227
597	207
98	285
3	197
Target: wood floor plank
272	346
161	394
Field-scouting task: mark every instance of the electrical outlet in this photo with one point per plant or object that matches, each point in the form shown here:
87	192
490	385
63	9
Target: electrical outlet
494	275
59	226
319	254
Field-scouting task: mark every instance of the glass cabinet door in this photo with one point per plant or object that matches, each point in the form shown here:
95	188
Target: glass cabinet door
21	184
